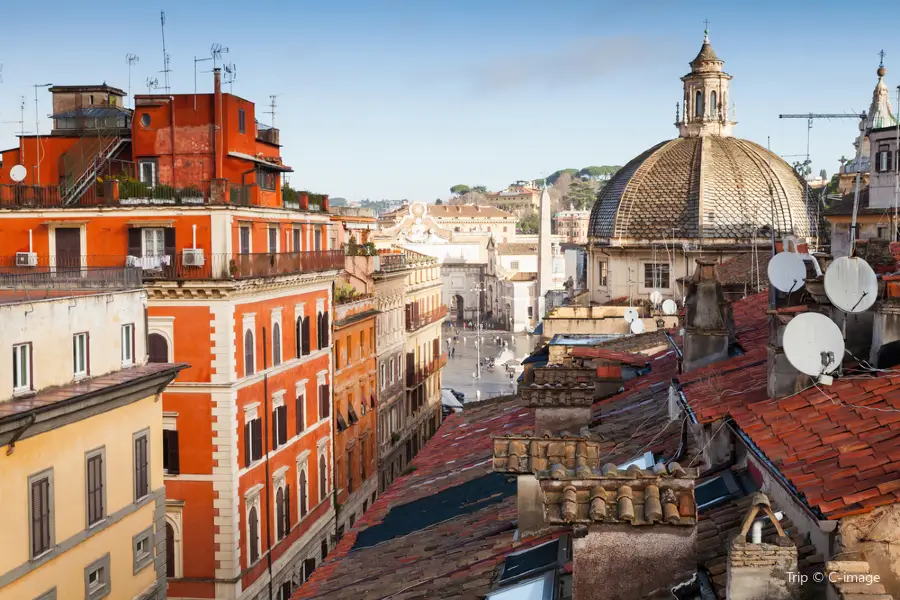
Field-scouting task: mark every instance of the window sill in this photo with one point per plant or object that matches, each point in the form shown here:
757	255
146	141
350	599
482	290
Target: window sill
42	555
96	523
24	393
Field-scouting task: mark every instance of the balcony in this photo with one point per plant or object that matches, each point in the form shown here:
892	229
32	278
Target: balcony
418	376
233	267
415	322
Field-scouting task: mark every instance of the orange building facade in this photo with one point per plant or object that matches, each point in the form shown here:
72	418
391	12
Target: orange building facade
240	284
355	419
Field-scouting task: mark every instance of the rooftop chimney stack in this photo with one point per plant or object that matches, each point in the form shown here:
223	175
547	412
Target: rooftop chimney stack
709	325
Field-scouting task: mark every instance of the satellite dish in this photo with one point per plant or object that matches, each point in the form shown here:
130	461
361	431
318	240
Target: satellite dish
630	315
655	296
787	272
813	344
850	284
17	173
669	307
637	326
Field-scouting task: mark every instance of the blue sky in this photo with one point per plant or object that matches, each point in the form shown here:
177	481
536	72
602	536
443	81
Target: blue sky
403	99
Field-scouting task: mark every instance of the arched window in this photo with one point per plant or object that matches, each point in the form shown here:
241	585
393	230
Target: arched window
306	334
253	526
249	362
279	514
298	337
303	500
170	550
276	344
713	107
158	348
698	104
323	479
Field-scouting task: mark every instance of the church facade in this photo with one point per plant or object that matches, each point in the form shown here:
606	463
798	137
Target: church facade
703	194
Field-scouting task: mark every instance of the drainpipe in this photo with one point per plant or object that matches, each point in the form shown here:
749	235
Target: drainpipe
172	138
334	480
217	119
266	454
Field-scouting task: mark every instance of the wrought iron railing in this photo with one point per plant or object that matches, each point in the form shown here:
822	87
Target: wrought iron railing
73	279
417	322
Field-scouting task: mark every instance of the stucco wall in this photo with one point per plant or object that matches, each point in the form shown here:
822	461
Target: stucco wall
50	324
63	450
874	537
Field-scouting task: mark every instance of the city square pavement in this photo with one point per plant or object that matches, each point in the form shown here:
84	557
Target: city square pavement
459	374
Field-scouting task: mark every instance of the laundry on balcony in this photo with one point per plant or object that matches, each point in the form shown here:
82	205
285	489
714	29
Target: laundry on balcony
149	263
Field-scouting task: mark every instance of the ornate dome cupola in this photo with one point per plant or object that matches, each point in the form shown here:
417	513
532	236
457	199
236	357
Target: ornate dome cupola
880	113
705	96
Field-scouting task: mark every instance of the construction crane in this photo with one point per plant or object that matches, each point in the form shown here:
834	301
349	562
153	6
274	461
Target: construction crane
809	123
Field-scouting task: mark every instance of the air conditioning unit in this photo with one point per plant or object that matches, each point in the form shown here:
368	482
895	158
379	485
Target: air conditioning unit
26	259
192	257
132	261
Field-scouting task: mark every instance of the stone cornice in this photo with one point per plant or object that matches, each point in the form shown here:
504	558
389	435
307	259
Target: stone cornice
228	289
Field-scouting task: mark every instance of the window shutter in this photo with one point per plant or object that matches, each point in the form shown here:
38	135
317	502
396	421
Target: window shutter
306	339
36	529
173	451
275	428
325	329
299	416
302	493
135	248
298	338
170	241
248	458
166	449
890	159
437	347
287	509
257	438
282	424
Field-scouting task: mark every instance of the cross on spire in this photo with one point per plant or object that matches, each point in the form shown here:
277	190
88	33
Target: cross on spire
706	29
881	56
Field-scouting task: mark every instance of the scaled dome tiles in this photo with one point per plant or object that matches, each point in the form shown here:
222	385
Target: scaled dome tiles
709	187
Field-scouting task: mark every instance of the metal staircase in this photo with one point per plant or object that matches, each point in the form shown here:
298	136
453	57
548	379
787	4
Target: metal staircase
83	163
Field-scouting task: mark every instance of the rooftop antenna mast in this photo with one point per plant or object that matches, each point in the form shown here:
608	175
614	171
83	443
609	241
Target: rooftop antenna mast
230	76
152	83
131	59
271	111
165	71
215	52
21	120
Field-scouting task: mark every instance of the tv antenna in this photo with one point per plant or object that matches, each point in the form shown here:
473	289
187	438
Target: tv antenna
152	83
165	71
230	75
850	284
21	120
197	60
215	52
814	345
132	59
271	111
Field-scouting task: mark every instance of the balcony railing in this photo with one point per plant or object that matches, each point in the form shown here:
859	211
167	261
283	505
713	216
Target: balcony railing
421	320
418	375
174	267
43	278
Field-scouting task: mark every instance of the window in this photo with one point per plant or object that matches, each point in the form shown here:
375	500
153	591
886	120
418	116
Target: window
21	368
383	375
279	426
253	537
323	479
158	348
171	461
712	103
267	180
514	265
698	104
399	376
276	344
530	312
127	344
884	161
317	237
242	121
80	355
96	491
280	530
350	471
142	549
48	595
656	275
141	470
296	235
40	505
303	500
309	565
324	401
252	440
249	359
153	241
147	169
602	274
273	240
245	240
322	333
301	412
96	579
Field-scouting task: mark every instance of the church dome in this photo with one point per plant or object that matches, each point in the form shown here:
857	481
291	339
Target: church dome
705	184
710	187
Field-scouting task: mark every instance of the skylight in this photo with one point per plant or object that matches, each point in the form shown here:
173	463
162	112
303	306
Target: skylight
539	588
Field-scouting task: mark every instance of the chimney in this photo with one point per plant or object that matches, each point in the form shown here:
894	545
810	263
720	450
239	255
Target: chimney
709	326
561	396
757	569
783	379
217	122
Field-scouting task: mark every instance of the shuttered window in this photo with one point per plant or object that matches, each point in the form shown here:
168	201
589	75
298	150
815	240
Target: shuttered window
276	344
301	413
252	441
279	514
141	467
253	526
41	512
171	460
303	500
95	496
323	479
279	426
249	359
324	401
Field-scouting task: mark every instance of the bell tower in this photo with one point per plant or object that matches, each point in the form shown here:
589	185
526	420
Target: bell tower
705	96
